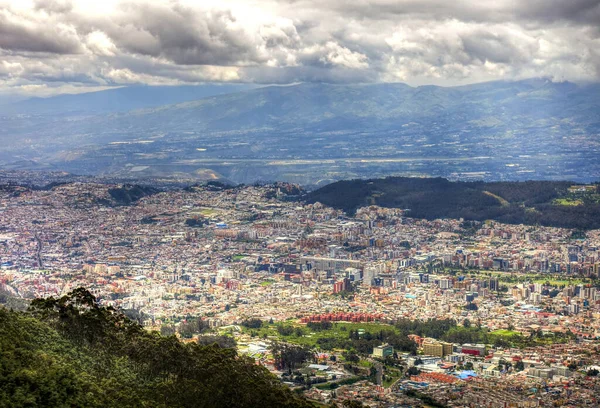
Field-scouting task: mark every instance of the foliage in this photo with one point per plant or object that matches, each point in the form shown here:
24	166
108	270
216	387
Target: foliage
10	301
252	323
72	352
221	341
413	371
435	328
128	194
319	326
530	202
192	326
289	356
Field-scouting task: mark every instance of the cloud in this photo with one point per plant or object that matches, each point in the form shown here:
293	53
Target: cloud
118	42
54	6
21	33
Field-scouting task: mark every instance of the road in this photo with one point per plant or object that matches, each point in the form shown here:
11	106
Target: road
39	251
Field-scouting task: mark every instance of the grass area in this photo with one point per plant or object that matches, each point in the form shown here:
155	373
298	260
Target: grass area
238	257
206	212
346	381
305	336
559	282
391	375
501	200
266	283
516	277
504	332
567	202
365	363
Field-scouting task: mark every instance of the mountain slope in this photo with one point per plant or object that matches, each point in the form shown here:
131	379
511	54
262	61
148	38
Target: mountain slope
308	133
548	203
118	99
325	106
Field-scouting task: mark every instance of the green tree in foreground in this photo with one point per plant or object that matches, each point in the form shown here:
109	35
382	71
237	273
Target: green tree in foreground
72	352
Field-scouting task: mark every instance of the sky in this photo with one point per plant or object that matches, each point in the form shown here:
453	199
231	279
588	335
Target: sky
61	46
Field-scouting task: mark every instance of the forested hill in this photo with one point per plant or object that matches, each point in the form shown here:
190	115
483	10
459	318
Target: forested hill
548	203
69	352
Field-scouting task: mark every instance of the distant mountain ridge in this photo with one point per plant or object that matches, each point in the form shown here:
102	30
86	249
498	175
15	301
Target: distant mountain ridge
309	132
119	99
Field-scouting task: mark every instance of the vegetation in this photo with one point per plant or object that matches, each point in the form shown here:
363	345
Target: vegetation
71	352
129	193
530	202
357	337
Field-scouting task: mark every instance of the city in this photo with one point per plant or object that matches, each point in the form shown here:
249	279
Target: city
523	301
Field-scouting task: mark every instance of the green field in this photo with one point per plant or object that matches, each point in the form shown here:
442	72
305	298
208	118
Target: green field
516	277
338	330
567	202
207	212
506	333
391	375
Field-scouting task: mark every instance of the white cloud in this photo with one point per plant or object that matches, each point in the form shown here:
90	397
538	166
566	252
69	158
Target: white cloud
115	42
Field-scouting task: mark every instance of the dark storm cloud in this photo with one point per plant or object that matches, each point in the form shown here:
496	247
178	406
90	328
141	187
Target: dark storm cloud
487	46
576	11
182	35
18	34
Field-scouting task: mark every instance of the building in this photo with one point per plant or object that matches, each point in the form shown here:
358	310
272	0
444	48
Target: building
438	349
383	351
473	349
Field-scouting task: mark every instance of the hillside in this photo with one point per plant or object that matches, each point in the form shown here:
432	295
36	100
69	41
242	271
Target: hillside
547	203
118	99
318	133
71	352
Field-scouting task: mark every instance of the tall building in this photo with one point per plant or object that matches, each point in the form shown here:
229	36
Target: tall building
438	349
445	283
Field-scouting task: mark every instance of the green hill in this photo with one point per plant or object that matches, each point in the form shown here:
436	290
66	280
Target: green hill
548	203
69	352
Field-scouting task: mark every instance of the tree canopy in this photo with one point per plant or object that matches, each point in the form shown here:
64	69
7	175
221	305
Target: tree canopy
69	351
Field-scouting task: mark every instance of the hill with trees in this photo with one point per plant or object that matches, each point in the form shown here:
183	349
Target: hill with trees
548	203
72	352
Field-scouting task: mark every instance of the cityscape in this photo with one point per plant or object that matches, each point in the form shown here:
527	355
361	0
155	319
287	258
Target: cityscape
257	265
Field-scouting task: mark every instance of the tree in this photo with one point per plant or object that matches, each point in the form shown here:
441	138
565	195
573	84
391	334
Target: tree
413	371
285	330
289	356
69	351
252	323
467	324
167	330
352	404
350	356
221	341
592	372
519	365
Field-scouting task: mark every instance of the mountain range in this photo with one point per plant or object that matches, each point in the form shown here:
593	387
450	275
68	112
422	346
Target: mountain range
313	133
